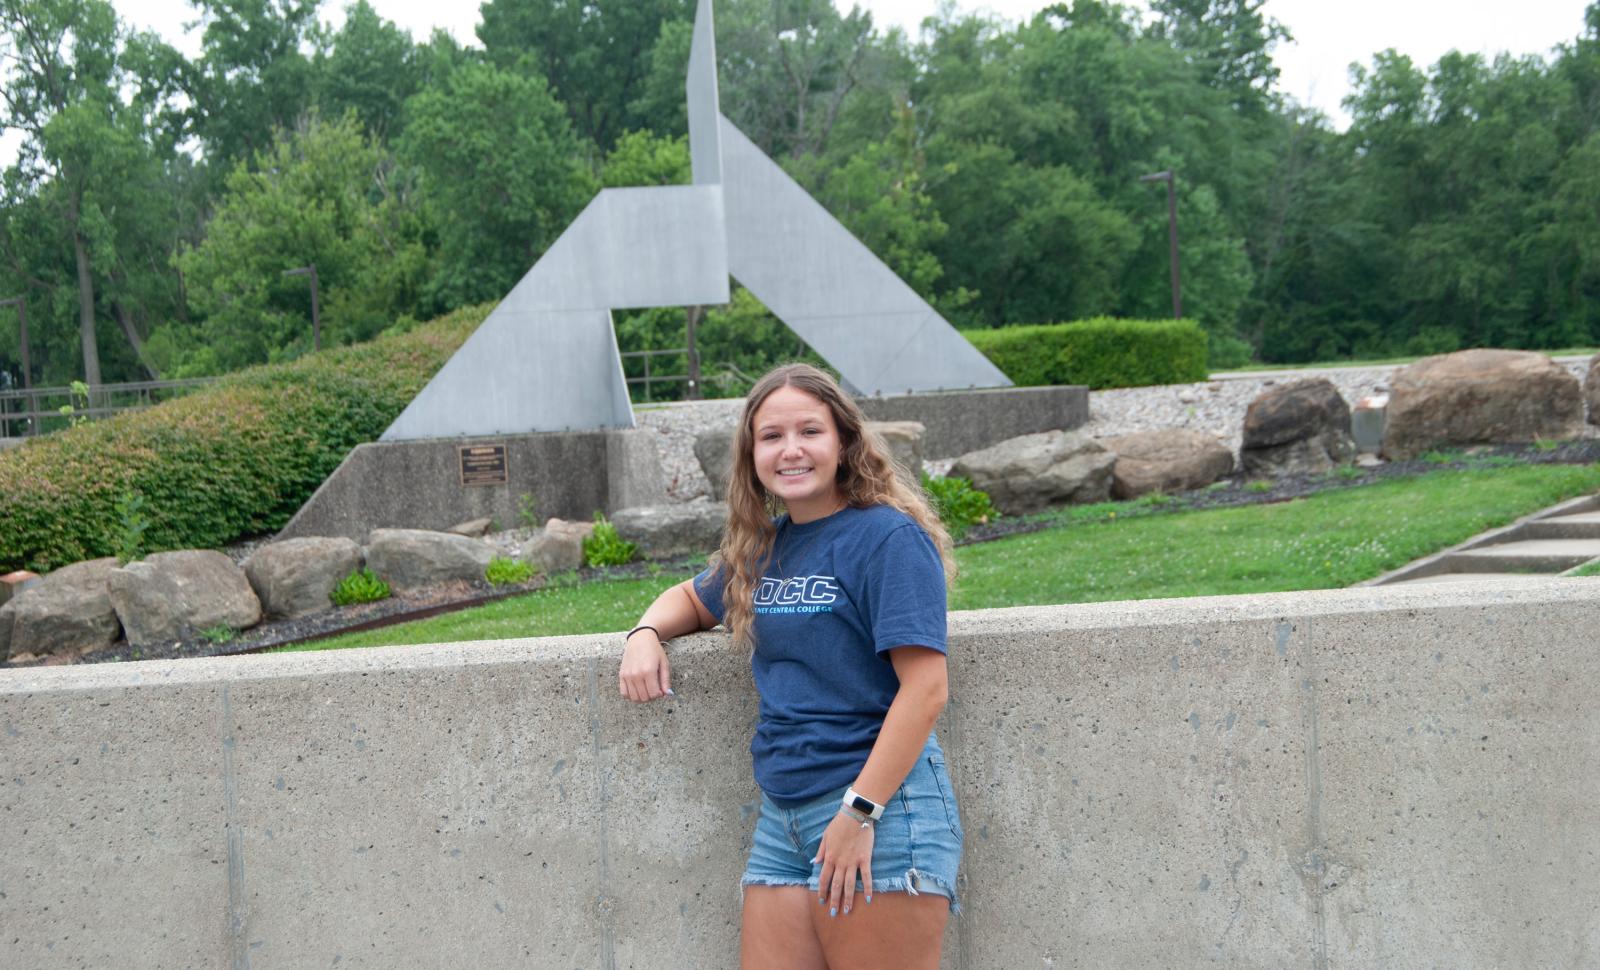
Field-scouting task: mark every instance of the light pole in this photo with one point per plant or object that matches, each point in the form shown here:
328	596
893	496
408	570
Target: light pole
316	312
21	303
1172	235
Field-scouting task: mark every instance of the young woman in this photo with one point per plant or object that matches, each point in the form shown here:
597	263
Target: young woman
842	602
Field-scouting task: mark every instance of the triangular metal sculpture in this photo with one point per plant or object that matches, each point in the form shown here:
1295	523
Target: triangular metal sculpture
546	359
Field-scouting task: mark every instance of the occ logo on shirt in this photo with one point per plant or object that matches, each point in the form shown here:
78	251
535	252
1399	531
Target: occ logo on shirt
797	594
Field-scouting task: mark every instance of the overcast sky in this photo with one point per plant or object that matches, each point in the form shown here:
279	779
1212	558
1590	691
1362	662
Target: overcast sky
1328	34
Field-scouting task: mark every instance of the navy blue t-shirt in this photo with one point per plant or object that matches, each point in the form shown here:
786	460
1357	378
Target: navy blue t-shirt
836	595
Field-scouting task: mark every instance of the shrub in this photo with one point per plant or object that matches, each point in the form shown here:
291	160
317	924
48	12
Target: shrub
502	571
235	459
958	505
606	547
361	586
1100	353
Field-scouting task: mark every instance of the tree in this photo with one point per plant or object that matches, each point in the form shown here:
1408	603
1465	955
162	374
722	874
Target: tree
253	77
367	66
594	54
503	174
323	194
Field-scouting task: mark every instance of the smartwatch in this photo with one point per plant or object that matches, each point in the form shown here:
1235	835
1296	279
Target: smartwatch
862	804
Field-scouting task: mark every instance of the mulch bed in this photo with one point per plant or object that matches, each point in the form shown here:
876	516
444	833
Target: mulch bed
413	605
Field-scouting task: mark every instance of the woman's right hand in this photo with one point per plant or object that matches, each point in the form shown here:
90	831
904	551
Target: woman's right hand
645	673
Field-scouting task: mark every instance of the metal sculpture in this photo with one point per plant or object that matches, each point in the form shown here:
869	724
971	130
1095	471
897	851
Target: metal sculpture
546	359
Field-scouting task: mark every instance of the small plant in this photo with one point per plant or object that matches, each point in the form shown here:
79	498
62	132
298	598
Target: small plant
503	571
528	510
562	580
1258	486
77	400
221	633
958	505
1152	500
131	525
1442	457
1349	472
361	586
606	547
1545	444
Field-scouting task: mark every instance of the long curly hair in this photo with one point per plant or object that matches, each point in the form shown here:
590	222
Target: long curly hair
867	476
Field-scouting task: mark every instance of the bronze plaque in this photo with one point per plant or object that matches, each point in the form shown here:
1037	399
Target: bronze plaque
483	464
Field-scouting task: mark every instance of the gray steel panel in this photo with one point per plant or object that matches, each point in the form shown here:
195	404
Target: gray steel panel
831	290
700	85
642	247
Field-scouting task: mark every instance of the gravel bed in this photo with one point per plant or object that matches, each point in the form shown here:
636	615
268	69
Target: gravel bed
1216	407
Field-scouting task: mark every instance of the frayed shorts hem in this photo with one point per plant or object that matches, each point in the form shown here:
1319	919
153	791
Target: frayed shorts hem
914	883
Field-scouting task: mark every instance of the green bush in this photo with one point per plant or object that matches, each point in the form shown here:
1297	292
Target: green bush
1100	353
606	547
235	459
958	505
502	571
361	586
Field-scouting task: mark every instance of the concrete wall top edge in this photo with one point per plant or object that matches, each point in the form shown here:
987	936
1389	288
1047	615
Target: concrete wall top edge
973	624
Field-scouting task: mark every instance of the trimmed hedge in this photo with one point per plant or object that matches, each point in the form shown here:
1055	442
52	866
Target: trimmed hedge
1103	352
237	458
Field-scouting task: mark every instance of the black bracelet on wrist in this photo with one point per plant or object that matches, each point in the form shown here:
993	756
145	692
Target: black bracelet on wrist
642	626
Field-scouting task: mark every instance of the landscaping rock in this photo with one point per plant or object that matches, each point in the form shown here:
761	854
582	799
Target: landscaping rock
714	449
172	595
1299	428
409	558
904	439
68	611
294	577
672	530
1480	397
1591	390
558	546
1034	471
1173	460
473	529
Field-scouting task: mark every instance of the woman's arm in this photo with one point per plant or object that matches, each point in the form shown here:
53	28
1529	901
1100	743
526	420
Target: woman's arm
847	844
645	674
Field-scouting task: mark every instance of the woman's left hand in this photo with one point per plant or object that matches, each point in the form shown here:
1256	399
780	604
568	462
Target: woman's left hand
846	853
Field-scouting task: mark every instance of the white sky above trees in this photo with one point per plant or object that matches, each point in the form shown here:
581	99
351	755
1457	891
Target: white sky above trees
1328	34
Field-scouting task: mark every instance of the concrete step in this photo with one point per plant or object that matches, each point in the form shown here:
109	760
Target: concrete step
1585	526
1527	555
1478	578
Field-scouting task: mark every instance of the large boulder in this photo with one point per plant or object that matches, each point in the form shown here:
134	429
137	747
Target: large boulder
1034	471
904	440
171	595
294	577
410	558
1171	460
714	449
69	611
1299	428
1480	397
558	546
1591	390
672	530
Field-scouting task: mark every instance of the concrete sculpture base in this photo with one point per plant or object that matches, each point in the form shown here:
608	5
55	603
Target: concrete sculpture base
418	484
961	421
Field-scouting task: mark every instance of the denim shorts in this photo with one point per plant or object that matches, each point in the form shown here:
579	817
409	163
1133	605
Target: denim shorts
916	849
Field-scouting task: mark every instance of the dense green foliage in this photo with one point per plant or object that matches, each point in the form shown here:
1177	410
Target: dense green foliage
361	586
1328	540
158	198
1098	353
604	547
235	459
502	571
957	504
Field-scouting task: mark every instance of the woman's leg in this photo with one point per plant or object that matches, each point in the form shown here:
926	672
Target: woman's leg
895	930
776	930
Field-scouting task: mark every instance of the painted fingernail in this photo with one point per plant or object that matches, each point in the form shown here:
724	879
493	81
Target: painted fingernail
833	911
869	899
671	692
847	911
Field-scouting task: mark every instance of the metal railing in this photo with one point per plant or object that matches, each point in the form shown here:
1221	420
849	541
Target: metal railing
38	410
650	378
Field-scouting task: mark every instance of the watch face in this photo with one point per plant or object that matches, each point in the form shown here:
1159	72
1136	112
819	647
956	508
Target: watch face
863	806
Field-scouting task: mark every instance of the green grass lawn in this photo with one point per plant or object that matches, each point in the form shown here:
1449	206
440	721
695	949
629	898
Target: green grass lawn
1588	569
1332	539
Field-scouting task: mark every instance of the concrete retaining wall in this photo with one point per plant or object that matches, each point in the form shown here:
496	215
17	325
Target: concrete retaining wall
1399	777
961	421
417	484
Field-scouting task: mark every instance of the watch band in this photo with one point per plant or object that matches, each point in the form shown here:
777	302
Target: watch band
862	804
